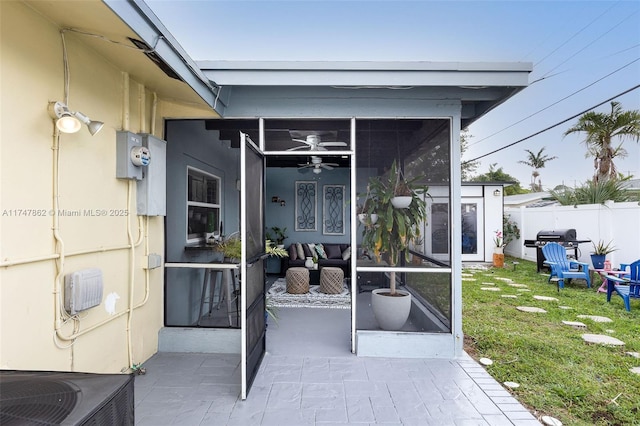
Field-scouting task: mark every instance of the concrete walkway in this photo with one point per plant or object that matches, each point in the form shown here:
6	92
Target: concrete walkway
309	377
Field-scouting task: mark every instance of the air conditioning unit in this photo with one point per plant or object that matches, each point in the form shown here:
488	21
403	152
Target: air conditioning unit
57	398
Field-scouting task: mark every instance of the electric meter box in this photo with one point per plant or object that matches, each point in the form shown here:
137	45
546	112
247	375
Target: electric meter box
151	199
126	143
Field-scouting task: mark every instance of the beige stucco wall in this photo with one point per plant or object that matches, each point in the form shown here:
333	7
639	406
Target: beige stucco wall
31	76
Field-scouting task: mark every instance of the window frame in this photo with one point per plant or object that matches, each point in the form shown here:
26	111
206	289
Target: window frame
216	207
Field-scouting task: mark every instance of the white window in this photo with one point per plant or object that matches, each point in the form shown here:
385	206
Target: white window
203	205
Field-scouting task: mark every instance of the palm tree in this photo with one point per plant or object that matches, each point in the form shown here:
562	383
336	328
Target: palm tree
536	161
601	129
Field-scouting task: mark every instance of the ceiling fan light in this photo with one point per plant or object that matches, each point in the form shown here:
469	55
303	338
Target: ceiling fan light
317	170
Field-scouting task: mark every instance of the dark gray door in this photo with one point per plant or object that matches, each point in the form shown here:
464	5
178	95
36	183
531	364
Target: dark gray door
252	165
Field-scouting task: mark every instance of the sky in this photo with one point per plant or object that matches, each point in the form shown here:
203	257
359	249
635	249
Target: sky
583	53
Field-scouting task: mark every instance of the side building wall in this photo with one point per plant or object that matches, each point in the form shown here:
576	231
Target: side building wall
94	223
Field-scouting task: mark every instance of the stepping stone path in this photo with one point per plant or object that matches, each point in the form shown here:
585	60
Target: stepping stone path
635	370
509	280
545	298
602	339
465	274
468	279
512	385
531	309
596	318
518	285
610	331
565	307
633	354
550	421
490	288
488	283
575	324
485	361
522	289
509	296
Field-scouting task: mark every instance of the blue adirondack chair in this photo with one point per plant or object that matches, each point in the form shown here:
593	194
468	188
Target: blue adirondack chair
562	268
626	286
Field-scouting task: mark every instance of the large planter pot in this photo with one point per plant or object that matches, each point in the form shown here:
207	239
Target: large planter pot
391	312
598	260
401	202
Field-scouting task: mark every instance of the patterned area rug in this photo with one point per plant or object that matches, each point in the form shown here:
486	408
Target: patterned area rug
278	297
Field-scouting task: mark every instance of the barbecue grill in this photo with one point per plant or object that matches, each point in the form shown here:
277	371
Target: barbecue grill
565	237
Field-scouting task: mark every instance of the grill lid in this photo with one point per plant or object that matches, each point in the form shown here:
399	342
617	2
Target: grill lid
557	235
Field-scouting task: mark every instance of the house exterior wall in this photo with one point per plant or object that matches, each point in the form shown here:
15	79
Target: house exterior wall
616	222
32	260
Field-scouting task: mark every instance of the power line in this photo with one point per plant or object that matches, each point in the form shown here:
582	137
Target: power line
556	102
590	44
552	126
577	33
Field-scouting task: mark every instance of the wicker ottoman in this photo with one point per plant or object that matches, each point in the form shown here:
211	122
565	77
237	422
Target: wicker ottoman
297	280
331	280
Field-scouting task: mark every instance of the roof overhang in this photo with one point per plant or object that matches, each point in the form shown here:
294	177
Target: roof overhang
169	71
479	86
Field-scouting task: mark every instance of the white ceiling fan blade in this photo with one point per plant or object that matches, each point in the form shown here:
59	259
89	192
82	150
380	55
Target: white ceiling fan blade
326	166
332	144
304	141
296	148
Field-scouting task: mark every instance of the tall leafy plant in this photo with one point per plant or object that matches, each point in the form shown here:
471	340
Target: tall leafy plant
396	228
594	192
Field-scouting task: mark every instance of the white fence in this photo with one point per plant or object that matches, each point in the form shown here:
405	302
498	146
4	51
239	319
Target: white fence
616	222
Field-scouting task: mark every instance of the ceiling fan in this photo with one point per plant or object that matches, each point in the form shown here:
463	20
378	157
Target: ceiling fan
316	165
313	142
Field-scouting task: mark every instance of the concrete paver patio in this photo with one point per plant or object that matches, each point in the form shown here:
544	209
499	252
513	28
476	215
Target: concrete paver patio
309	377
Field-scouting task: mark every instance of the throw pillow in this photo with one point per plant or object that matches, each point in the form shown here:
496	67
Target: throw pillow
346	254
293	252
307	250
300	251
312	249
333	251
320	251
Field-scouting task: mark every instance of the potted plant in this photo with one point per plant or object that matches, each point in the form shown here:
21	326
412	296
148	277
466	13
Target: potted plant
498	250
600	252
402	193
390	237
280	234
367	210
231	248
275	251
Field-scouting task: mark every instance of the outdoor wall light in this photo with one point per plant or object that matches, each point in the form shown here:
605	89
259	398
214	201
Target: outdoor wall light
496	193
68	121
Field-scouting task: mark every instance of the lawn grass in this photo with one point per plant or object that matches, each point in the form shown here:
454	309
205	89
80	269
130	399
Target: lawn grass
559	374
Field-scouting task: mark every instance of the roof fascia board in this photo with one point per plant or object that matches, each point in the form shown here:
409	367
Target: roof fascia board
385	78
141	19
367	65
472	75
